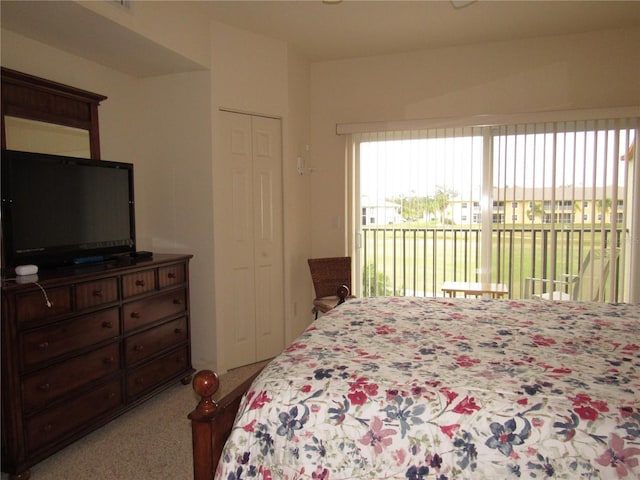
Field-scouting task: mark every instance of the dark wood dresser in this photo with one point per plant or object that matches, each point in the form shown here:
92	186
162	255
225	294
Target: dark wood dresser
85	344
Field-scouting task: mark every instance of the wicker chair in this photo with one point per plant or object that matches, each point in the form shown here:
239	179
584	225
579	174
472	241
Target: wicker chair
331	281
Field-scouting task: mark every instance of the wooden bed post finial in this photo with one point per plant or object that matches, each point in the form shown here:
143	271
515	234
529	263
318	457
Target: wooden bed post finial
211	421
205	384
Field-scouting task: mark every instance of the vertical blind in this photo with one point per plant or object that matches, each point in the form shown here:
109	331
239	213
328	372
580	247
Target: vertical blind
545	208
575	178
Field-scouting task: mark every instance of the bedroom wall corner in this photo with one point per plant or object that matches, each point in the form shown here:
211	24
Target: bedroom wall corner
150	19
297	181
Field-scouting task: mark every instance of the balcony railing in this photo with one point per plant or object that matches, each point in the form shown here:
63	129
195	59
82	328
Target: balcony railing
417	261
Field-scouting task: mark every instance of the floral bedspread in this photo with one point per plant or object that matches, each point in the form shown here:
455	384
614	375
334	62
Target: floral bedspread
445	388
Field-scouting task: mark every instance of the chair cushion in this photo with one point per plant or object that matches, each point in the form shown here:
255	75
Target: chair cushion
325	304
553	296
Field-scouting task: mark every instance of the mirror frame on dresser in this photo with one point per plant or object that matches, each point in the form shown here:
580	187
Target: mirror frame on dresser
33	98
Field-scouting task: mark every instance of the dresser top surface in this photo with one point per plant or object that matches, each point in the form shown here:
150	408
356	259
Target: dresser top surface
78	273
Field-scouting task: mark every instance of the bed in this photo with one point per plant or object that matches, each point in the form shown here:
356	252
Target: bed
436	388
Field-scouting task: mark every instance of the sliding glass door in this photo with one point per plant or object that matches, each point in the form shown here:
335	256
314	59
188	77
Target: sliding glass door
419	197
543	208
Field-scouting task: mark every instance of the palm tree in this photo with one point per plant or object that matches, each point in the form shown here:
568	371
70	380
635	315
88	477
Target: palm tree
604	206
535	211
431	208
413	207
442	199
576	209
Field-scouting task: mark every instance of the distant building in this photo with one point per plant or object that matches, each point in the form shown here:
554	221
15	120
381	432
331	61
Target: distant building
544	205
380	213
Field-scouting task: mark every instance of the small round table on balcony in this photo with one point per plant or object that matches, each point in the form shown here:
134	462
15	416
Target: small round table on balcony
496	290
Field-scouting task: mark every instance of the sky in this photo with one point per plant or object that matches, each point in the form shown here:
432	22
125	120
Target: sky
417	167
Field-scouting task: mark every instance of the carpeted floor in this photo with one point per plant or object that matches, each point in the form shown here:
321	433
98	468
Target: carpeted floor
153	441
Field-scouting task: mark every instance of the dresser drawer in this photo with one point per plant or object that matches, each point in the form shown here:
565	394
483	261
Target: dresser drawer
149	310
47	426
171	275
33	305
42	387
54	340
143	345
153	374
138	283
92	294
64	367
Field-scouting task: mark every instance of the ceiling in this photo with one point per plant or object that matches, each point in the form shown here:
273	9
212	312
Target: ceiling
354	28
321	30
68	26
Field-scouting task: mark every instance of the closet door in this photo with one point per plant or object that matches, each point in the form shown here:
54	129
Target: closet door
268	240
252	259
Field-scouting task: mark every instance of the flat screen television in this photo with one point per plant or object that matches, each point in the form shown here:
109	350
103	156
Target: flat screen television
60	210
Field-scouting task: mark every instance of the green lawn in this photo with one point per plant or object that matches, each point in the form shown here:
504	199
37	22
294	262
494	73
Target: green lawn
418	260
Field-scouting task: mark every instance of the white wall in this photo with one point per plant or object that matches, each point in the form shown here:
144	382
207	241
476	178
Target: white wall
593	70
174	198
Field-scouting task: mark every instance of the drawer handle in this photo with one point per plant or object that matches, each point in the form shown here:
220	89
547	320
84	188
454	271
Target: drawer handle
177	301
97	293
135	315
110	395
47	428
108	360
43	345
139	283
107	324
139	381
178	331
138	348
179	359
45	387
171	275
